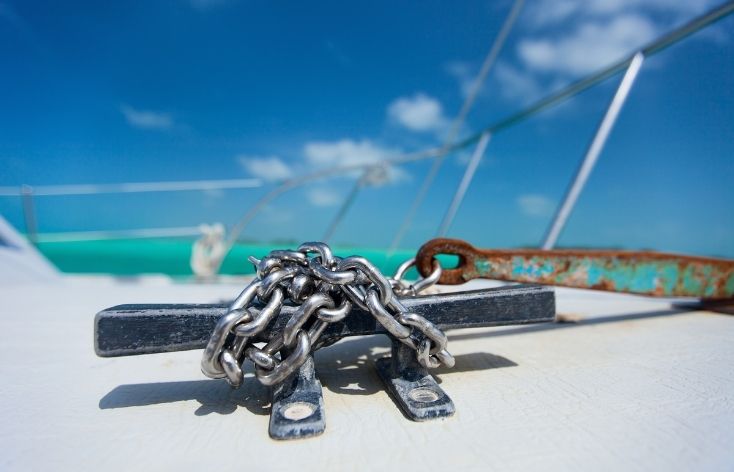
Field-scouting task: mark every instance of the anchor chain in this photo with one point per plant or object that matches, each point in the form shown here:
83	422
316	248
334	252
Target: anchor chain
324	287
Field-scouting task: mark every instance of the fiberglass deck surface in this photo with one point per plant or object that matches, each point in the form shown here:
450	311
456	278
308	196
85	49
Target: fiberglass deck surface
635	385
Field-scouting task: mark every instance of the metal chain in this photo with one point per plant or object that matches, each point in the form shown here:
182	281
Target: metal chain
324	287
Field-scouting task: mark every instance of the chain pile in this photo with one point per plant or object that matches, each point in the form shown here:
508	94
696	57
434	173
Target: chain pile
324	287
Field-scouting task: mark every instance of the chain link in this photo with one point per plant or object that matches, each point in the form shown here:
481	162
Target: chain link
324	287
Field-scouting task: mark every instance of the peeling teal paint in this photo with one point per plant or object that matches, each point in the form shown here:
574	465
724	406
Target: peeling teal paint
690	282
730	284
669	277
656	277
709	288
547	268
619	276
644	278
482	266
535	267
518	267
594	275
663	278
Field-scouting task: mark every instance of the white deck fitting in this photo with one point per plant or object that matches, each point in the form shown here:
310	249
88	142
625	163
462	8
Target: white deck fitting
635	386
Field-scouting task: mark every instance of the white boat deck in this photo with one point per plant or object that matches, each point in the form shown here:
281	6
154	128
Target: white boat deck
635	385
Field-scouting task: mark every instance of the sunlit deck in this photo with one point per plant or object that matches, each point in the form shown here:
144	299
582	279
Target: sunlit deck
633	385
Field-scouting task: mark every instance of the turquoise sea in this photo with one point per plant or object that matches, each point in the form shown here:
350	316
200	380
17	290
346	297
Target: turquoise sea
170	256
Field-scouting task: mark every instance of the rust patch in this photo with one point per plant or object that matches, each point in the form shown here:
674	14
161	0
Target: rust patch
641	272
458	275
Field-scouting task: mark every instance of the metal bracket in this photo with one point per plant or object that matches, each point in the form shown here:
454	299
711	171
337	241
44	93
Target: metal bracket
298	405
414	390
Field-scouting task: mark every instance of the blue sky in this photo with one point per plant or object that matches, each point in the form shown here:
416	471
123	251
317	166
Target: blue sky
104	92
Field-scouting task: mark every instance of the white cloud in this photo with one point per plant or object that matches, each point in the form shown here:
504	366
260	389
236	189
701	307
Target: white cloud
417	113
515	84
323	197
589	47
347	152
270	168
552	11
506	80
329	154
146	119
535	205
549	12
563	40
595	33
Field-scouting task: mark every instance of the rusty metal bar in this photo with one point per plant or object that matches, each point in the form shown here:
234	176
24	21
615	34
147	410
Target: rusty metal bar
592	154
639	272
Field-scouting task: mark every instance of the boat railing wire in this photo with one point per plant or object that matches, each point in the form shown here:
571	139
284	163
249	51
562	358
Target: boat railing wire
27	193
